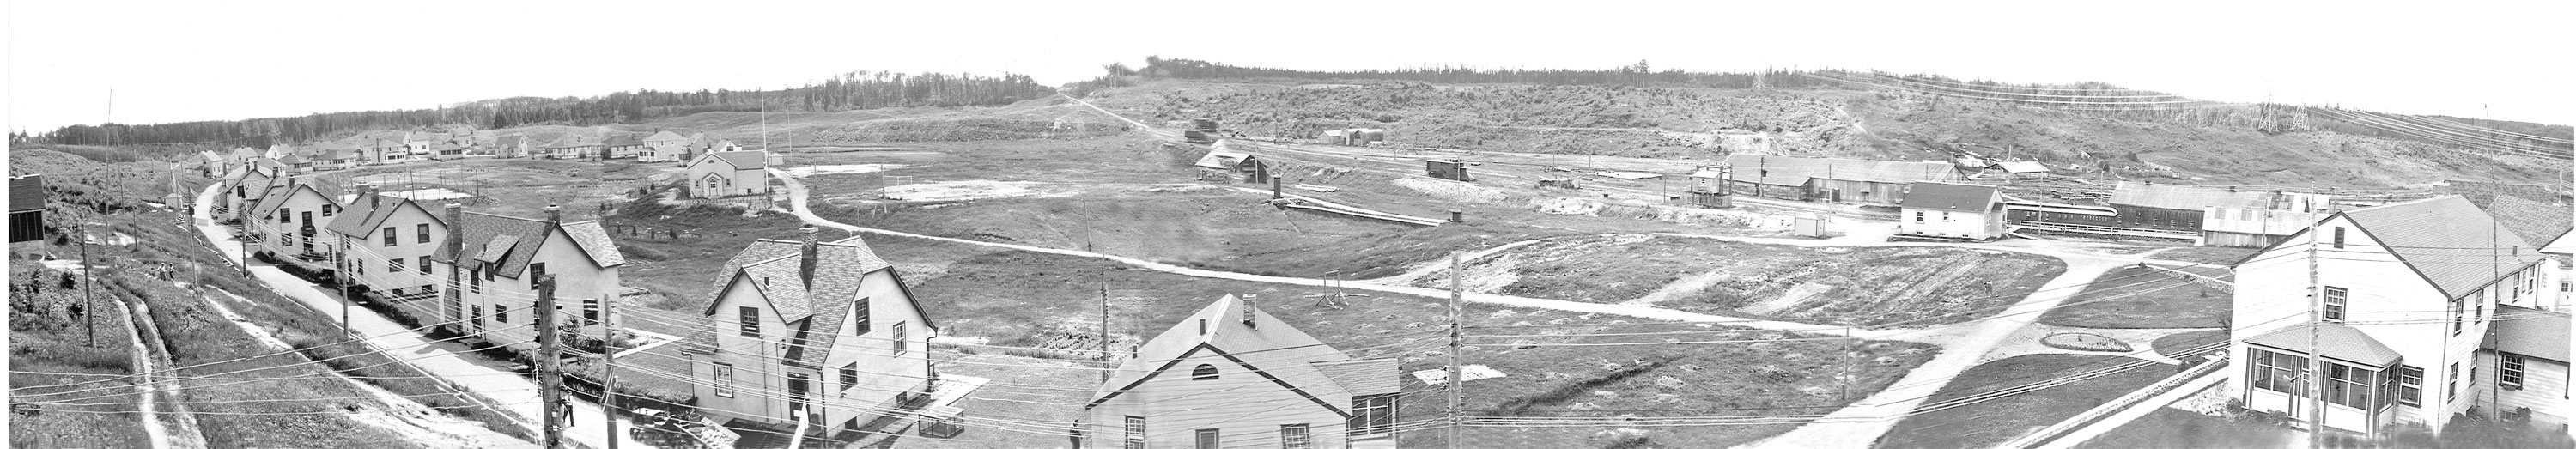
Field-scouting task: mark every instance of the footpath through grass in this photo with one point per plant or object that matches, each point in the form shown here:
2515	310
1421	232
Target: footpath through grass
2134	297
48	334
1995	421
1856	286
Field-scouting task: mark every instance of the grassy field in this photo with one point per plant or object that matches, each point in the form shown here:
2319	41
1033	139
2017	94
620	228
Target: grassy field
1991	422
515	187
2219	256
1866	286
2180	346
2180	303
2171	428
48	334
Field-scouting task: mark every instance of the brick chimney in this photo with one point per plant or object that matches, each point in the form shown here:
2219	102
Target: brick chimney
455	220
1249	301
554	214
812	254
367	192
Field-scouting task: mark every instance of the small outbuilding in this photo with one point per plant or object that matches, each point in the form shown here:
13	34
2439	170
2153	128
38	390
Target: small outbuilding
1951	211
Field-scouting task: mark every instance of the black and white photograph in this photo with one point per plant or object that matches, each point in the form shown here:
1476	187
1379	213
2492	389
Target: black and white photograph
1333	224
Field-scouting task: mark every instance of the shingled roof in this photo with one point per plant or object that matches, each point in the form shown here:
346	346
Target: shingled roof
2536	222
621	140
519	240
568	141
741	160
361	218
26	193
1950	197
2530	332
2450	242
281	193
1287	356
666	135
774	268
2335	341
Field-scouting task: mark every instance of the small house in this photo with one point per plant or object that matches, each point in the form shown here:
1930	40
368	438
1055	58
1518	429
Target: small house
823	332
296	164
2024	169
289	220
729	174
664	146
1712	187
507	146
1232	375
502	259
621	146
1951	211
569	146
1453	169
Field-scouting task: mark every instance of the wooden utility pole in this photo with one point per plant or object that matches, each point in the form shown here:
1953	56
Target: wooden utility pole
549	372
607	366
1456	332
89	275
1104	331
2316	361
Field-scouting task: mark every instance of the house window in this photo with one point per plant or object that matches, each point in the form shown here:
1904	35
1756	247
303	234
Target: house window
724	379
849	375
860	322
2453	390
2279	372
1208	439
500	314
2335	304
424	265
286	215
1372	415
2338	237
2456	319
900	345
393	265
1945	217
1203	372
2511	374
307	216
478	315
590	310
422	231
1295	436
1918	216
1135	432
390	238
536	271
750	319
474	279
2410	386
2350	387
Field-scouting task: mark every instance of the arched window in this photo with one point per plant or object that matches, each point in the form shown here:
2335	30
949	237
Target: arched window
1203	372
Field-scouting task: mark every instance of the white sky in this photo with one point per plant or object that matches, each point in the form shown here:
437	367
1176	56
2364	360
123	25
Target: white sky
183	61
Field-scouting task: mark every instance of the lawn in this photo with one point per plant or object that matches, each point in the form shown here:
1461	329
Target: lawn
2179	346
681	270
2172	428
2212	255
1992	422
1864	286
2133	297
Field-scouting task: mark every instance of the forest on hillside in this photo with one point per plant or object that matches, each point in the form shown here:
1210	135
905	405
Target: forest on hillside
848	91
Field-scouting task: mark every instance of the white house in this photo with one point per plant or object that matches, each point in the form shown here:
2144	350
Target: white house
385	244
2407	294
290	219
825	331
728	174
504	257
1951	211
665	146
244	188
1232	375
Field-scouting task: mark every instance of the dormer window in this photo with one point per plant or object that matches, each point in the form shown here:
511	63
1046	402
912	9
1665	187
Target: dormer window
1203	372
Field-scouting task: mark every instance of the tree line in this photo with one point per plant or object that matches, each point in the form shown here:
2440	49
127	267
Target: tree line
848	91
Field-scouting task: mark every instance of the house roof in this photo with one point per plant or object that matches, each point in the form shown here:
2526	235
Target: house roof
1363	376
292	159
2536	222
2335	341
526	236
386	143
621	140
2449	241
446	146
340	154
361	219
1286	356
1750	165
509	140
666	135
2024	167
244	152
815	308
282	193
209	156
2530	332
1950	197
26	193
568	141
1222	160
2176	196
741	160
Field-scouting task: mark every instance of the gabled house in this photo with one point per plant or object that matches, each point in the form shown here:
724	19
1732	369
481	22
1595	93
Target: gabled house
382	151
245	188
290	219
335	159
513	145
621	146
665	146
278	151
700	144
2405	297
1232	375
570	146
2528	349
728	174
296	164
446	151
1951	211
2541	224
424	144
823	331
385	243
503	258
211	164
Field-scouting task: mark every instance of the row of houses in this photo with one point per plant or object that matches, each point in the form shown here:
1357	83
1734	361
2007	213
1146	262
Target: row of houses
732	172
364	150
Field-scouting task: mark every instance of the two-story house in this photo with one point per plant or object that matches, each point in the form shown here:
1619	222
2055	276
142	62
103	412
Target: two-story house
2394	301
385	243
291	219
665	146
729	173
825	331
1232	375
502	259
513	145
243	189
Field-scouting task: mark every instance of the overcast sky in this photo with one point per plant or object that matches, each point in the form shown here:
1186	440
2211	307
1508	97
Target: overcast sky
183	61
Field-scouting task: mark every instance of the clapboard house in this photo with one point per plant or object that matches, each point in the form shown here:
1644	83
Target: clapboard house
385	243
502	259
813	335
1231	375
1943	210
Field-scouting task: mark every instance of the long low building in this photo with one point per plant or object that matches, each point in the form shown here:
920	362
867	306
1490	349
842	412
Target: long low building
1834	179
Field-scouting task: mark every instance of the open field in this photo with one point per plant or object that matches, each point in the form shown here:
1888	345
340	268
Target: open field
1988	423
516	187
49	334
2132	297
2216	256
1863	286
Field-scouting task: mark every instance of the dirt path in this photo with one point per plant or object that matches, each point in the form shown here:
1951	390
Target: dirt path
401	415
153	429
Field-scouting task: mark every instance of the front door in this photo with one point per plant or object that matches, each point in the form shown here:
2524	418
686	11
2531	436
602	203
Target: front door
796	386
